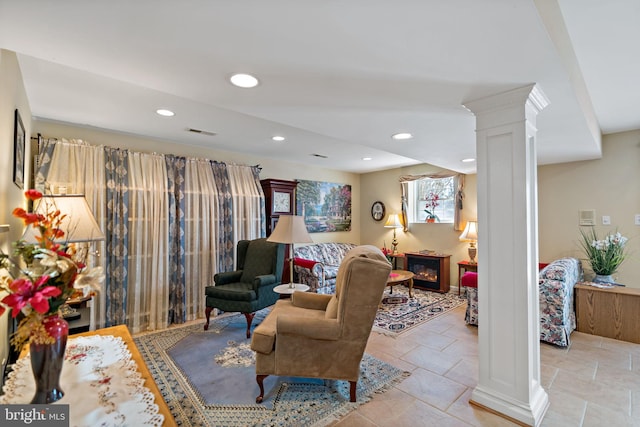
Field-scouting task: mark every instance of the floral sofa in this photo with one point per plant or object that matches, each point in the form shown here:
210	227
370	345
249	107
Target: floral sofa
317	265
557	313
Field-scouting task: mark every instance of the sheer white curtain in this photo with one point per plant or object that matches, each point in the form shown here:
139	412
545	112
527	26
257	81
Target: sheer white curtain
247	198
200	234
79	167
148	289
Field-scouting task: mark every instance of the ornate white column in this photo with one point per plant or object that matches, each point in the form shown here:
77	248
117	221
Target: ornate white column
508	323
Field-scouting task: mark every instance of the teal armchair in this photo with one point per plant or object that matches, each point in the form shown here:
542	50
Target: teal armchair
250	287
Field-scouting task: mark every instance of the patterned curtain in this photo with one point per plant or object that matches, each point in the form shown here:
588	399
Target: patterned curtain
175	189
170	224
117	235
226	244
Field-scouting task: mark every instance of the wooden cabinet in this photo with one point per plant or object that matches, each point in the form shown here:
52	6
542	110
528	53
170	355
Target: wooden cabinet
431	271
611	313
280	199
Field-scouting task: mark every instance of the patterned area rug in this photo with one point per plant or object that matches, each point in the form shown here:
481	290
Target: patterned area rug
398	313
208	379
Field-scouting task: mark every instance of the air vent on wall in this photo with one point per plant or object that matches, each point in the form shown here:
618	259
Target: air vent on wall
322	156
587	217
202	132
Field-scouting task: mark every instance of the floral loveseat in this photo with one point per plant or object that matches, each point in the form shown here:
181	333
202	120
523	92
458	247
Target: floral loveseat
557	314
317	265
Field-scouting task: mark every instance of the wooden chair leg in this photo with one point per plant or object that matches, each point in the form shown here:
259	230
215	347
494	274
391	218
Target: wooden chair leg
260	380
207	314
352	390
249	317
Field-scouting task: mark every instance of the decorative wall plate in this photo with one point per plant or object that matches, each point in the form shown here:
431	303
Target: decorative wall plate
377	211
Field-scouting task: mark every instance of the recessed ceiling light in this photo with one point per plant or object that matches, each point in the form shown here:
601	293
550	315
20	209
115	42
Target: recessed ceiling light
367	158
278	138
166	113
244	80
402	135
469	160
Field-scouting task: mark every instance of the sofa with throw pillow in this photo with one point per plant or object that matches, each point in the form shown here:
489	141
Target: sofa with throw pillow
317	265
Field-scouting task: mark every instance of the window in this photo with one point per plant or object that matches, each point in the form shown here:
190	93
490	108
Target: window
421	189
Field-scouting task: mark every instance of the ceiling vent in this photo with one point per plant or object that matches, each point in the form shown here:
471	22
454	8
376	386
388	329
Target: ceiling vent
322	156
202	132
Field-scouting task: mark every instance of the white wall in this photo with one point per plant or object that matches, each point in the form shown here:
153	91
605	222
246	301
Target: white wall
270	168
609	185
12	96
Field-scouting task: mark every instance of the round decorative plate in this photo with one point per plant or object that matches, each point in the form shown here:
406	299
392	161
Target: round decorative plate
377	211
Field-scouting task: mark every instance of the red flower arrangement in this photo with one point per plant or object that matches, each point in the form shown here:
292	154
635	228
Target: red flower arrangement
46	275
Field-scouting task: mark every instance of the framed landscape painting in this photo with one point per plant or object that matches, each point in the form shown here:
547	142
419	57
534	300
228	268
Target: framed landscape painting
325	206
18	151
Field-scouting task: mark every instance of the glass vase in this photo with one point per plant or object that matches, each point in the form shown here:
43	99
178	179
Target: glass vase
604	278
46	361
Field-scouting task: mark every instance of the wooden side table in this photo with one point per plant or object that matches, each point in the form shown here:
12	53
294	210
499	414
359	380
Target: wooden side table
398	259
463	267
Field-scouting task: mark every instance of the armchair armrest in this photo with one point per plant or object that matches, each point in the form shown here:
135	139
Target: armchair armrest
265	279
318	329
227	277
310	301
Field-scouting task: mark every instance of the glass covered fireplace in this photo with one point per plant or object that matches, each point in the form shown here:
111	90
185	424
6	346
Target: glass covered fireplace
431	271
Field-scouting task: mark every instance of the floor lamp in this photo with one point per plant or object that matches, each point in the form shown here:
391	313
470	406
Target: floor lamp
290	229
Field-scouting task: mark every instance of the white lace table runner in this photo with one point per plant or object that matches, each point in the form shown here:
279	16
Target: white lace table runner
101	384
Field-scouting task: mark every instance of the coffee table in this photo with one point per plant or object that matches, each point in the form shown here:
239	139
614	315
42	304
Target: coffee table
399	277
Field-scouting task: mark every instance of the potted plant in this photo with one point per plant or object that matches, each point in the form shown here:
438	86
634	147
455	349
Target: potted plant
431	205
604	255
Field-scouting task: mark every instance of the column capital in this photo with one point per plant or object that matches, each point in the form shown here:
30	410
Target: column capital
516	99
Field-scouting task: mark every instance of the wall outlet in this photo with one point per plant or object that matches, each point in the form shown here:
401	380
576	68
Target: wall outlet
606	220
637	219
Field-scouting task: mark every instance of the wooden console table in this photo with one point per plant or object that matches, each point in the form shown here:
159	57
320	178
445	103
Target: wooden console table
611	313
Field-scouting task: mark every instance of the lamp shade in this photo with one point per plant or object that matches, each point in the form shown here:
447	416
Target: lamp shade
470	232
393	221
290	229
79	225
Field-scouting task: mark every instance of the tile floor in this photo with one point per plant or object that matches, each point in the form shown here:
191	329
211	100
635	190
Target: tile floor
594	382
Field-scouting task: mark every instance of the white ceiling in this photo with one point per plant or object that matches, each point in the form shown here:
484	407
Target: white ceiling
337	77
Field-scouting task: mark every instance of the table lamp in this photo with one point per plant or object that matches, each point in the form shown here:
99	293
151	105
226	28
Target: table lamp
79	226
290	229
470	234
393	222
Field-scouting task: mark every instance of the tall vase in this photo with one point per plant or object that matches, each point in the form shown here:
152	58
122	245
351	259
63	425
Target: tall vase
46	361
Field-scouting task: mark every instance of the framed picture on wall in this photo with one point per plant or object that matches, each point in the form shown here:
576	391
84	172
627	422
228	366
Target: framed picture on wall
18	151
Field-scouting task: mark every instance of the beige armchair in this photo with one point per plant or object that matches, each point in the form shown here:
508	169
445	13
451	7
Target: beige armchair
324	336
